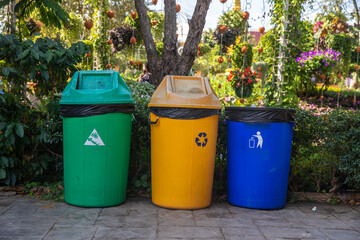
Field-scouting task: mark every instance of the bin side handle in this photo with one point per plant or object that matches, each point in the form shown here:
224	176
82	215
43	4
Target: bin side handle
151	122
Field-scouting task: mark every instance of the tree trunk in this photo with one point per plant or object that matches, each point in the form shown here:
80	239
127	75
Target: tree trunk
170	62
13	16
356	11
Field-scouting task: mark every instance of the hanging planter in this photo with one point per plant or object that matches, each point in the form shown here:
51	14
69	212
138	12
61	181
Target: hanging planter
358	49
261	29
132	62
153	22
223	1
260	50
108	66
178	8
220	60
132	40
154	2
110	14
245	15
246	92
138	63
88	24
109	42
357	67
244	49
222	28
133	15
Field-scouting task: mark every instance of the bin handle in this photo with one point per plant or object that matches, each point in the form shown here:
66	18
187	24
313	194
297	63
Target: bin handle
151	122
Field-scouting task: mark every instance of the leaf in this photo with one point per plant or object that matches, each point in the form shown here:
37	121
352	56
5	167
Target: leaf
45	75
9	129
23	54
2	173
5	161
137	183
35	54
2	125
49	55
19	130
144	177
5	71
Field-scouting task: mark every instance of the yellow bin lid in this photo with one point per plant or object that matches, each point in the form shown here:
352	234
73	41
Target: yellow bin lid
186	92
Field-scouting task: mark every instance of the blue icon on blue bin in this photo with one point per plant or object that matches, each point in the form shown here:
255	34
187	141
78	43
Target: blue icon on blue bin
201	140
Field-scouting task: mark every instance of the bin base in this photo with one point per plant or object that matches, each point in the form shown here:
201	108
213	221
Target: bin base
262	205
181	207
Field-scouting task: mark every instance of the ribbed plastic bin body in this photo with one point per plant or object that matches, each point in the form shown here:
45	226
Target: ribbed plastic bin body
182	171
97	135
184	124
258	155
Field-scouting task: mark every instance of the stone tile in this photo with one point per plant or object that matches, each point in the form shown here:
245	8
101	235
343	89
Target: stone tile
20	238
205	221
26	221
176	217
141	219
324	223
242	233
291	233
114	211
272	223
336	234
62	233
189	232
136	203
125	233
78	218
25	232
110	221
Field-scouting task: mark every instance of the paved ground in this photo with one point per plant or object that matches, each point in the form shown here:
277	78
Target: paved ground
23	218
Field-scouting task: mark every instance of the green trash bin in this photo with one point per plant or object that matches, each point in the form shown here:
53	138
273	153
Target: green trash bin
96	107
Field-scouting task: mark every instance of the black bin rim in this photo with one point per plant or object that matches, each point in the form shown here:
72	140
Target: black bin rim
260	114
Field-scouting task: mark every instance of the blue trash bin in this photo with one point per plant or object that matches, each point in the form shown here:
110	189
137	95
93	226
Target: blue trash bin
258	153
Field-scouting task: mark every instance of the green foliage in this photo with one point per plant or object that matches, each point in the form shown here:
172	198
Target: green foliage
51	11
99	34
45	62
239	59
325	146
342	43
227	38
139	167
29	140
233	19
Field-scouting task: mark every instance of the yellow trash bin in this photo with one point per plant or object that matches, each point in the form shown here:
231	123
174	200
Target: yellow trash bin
184	114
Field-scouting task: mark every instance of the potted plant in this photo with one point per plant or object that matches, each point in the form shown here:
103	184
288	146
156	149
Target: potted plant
243	81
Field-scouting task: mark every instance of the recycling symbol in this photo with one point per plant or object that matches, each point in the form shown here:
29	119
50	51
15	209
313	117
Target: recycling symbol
201	140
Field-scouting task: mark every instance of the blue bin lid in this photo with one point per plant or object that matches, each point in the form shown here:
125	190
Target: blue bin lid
258	115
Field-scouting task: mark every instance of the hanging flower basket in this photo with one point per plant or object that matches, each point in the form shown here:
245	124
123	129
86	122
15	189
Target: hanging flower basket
246	92
243	81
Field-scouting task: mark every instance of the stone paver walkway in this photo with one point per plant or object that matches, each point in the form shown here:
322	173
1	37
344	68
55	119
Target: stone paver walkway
138	218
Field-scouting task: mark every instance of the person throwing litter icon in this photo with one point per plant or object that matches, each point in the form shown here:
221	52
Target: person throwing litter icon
260	139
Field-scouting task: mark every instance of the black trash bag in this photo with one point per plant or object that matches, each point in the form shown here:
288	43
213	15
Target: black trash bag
87	110
258	115
184	113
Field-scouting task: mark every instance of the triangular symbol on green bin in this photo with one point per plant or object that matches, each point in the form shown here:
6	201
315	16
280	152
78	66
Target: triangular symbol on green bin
94	139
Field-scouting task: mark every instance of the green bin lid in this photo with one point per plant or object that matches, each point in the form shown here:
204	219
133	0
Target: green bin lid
96	87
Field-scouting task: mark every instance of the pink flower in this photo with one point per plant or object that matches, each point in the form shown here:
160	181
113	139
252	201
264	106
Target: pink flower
317	26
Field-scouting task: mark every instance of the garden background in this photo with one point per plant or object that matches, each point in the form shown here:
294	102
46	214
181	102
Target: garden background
310	65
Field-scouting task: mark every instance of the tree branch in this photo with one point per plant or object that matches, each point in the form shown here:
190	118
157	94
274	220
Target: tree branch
150	47
196	26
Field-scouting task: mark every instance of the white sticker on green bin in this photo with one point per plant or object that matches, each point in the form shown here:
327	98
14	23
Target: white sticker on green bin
94	139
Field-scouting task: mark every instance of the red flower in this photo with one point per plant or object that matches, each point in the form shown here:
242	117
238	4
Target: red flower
260	74
238	84
254	72
249	81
